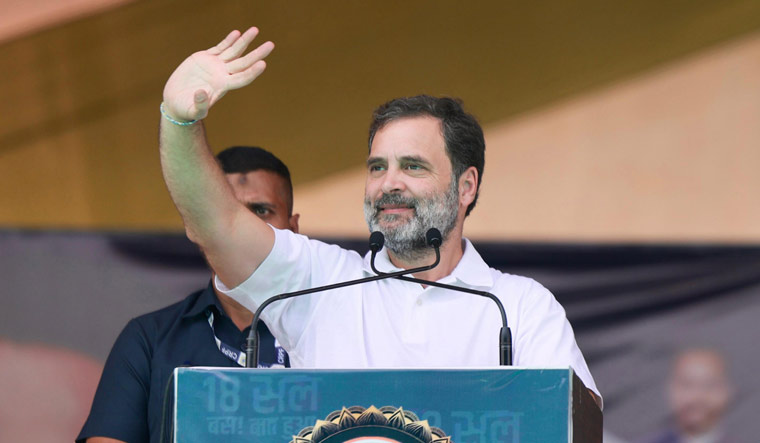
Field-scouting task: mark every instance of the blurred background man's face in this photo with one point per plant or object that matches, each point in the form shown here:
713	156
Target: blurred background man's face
699	391
266	195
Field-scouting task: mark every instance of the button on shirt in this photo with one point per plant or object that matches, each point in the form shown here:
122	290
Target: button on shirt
129	398
393	323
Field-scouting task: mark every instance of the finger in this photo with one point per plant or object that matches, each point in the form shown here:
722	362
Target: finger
243	78
249	59
224	44
238	47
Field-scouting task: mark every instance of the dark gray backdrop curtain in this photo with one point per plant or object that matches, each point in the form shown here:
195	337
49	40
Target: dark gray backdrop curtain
632	306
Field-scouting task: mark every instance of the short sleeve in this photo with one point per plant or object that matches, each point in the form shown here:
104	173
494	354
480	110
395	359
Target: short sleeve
545	337
294	263
120	407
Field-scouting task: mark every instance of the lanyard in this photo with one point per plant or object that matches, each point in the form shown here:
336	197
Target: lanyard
237	355
232	353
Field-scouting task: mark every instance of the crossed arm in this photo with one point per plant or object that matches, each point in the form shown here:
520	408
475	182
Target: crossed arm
233	239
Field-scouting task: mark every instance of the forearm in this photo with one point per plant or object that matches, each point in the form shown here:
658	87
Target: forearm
195	182
232	238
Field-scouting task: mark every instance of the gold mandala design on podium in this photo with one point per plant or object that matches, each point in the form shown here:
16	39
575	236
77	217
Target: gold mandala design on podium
371	425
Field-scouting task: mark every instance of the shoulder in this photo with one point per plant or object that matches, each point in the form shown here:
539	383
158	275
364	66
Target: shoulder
173	310
518	285
474	270
297	252
529	300
286	242
154	324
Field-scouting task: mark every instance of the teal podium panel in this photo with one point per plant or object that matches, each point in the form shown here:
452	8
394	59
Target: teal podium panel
382	405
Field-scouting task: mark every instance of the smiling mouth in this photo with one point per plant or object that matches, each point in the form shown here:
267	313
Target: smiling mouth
394	209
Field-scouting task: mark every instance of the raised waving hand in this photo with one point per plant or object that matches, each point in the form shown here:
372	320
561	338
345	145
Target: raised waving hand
204	77
233	239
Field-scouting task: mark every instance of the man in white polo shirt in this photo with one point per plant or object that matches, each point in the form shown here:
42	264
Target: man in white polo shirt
425	164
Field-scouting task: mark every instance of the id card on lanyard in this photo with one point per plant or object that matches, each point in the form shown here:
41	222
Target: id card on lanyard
237	355
233	354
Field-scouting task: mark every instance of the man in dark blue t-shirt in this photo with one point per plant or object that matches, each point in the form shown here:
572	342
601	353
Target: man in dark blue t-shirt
205	329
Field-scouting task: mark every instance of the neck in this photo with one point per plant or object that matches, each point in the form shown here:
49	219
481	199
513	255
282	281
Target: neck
451	250
239	315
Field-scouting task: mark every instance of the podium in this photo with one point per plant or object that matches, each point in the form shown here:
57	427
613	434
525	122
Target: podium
484	405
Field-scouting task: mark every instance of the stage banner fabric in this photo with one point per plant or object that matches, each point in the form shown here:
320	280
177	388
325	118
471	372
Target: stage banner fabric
632	307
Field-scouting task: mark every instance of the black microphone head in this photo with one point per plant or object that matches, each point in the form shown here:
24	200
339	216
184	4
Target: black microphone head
433	238
376	241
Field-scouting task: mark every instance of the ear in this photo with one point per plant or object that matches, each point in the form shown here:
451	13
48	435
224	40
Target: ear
293	222
468	186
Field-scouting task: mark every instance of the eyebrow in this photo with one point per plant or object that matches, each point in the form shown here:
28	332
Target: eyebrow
414	159
405	159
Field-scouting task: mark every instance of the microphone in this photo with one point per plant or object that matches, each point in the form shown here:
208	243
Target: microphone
376	243
433	238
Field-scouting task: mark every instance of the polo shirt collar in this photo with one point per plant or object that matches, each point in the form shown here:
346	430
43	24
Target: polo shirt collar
471	269
204	301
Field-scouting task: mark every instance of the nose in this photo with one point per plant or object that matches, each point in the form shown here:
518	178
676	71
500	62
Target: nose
393	182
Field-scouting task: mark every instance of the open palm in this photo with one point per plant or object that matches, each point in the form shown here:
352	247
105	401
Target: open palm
204	77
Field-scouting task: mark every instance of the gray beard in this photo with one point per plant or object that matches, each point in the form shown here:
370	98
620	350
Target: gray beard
407	240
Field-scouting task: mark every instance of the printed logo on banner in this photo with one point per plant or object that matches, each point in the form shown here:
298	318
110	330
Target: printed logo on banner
371	425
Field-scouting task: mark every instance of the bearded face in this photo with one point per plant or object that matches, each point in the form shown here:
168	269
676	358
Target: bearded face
405	233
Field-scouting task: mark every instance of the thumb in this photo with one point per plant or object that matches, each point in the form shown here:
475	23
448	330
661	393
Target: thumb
201	99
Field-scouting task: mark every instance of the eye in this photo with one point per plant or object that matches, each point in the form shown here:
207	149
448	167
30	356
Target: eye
375	168
260	210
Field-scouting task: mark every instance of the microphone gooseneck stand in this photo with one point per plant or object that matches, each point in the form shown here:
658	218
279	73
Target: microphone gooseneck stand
376	243
433	237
